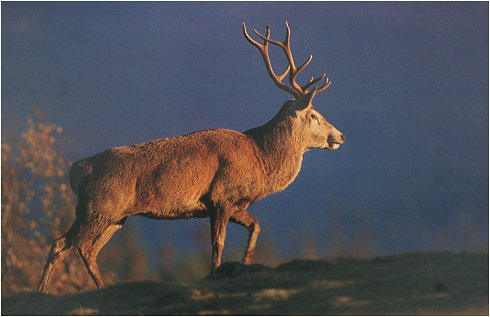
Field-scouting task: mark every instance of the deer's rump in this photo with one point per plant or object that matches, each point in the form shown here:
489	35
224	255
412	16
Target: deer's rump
167	178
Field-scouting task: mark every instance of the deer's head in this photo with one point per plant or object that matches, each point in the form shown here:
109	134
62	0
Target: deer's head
308	124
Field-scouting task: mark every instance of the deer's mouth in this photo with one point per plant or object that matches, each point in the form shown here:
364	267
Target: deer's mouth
333	145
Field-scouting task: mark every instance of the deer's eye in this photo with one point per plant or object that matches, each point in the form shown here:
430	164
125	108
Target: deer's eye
313	116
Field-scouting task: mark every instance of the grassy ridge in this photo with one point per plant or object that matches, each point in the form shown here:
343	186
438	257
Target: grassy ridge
417	283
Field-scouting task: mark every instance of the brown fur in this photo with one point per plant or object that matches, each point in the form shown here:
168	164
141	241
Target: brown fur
210	173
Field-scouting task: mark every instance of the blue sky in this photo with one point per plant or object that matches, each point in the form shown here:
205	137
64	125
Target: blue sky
409	91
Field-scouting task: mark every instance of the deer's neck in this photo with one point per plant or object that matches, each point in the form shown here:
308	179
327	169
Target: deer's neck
281	152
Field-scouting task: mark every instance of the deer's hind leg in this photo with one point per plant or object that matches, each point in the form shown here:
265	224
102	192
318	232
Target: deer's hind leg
62	247
89	250
244	218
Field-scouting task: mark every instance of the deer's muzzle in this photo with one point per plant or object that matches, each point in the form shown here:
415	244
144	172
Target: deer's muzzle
334	141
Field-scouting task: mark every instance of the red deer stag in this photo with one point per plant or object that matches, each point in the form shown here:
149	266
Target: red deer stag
211	173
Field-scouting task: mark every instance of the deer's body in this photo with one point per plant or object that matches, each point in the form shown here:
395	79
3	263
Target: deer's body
183	177
172	178
211	173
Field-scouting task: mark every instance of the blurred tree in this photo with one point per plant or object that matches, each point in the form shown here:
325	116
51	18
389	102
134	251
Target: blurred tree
38	206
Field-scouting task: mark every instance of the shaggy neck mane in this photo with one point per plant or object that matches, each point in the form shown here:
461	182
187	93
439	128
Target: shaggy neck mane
281	151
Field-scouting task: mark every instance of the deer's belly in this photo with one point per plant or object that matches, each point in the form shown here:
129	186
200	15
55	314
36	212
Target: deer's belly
176	214
175	209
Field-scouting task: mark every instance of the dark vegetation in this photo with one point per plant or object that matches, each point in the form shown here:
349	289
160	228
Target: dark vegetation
408	284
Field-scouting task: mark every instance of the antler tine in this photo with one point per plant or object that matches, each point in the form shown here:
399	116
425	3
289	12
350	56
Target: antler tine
288	34
324	86
251	40
268	33
293	75
294	71
286	71
312	81
268	40
287	47
263	48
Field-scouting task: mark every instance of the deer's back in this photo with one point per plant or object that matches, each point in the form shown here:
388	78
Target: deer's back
171	178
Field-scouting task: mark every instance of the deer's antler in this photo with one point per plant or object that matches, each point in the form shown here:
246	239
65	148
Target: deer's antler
295	89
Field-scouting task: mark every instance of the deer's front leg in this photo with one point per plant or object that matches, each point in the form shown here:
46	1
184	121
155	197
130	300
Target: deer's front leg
219	222
245	219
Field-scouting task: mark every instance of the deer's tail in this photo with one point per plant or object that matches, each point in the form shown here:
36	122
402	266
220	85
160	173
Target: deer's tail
78	171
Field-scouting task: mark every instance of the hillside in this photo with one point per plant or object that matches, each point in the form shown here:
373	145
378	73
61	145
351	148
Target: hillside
408	284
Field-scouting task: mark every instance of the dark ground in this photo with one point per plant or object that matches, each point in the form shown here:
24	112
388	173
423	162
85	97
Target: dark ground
406	284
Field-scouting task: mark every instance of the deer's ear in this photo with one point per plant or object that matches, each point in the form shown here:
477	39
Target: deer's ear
304	101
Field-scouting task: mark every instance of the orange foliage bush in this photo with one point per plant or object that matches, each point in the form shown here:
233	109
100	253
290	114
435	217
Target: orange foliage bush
37	206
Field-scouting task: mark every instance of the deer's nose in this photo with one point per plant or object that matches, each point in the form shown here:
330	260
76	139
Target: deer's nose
342	137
